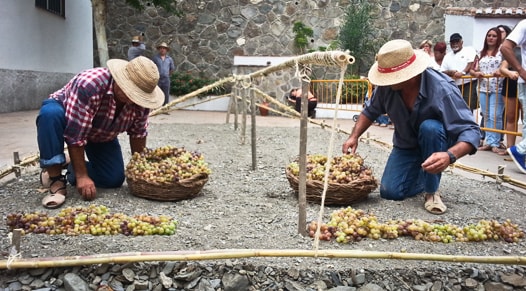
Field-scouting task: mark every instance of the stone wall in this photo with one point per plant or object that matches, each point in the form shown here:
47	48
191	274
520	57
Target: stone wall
210	33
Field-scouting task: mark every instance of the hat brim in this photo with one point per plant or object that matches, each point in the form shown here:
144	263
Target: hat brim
421	62
118	71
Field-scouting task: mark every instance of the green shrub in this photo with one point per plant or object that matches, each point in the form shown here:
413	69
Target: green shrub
302	35
183	83
353	92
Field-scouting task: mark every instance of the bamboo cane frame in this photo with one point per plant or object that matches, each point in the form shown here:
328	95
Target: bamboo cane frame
313	58
123	258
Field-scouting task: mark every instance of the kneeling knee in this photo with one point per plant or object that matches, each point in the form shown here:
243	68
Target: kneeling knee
391	194
112	182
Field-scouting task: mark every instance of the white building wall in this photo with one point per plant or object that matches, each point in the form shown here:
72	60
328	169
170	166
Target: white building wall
473	29
37	40
41	51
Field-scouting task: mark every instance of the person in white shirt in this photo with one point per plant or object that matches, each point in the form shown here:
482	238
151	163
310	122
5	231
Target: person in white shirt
457	64
518	38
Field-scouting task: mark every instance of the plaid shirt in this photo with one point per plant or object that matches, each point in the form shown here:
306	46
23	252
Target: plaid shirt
90	110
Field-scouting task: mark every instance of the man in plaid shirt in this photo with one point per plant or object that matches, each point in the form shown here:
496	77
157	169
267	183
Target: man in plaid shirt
88	114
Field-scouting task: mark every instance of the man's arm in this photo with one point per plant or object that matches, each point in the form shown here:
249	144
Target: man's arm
361	126
439	161
137	144
507	51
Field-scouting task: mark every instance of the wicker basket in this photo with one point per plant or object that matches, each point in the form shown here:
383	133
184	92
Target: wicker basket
180	190
337	194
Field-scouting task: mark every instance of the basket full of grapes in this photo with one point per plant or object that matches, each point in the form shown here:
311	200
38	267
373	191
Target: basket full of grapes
167	173
349	180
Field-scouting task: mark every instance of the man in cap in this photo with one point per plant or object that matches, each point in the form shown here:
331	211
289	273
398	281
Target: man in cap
434	126
518	38
457	64
88	114
166	67
137	48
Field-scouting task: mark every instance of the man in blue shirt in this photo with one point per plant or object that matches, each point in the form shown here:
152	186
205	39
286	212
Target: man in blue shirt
166	67
434	126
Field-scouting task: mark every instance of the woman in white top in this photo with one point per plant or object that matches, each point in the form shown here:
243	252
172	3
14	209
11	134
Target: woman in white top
490	97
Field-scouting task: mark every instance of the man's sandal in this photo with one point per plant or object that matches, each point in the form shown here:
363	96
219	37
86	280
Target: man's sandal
44	176
55	198
435	206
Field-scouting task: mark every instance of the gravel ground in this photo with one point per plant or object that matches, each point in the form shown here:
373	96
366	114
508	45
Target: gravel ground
241	208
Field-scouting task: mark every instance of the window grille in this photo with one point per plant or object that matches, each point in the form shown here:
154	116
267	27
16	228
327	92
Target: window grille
53	6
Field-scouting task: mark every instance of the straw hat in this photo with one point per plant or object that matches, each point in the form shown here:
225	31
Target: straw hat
136	39
138	79
397	62
163	44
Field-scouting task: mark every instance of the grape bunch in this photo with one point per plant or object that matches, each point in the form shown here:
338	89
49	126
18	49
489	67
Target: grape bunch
344	169
94	220
348	225
166	165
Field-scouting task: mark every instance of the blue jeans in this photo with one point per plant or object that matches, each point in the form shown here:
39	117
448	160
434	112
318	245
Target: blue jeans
105	166
164	84
492	108
403	175
383	119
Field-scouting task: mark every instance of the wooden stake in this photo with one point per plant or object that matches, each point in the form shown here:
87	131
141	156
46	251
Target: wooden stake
15	241
500	174
16	160
302	181
253	127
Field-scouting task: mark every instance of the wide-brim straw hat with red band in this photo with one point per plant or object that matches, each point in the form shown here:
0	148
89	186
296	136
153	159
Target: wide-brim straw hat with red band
397	62
138	79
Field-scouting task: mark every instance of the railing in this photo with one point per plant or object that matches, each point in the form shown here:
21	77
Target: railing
354	92
352	98
511	105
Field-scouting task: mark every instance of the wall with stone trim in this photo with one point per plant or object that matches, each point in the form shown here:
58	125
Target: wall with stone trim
210	33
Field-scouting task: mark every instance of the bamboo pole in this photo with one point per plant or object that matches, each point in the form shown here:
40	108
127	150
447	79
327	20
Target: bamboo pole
123	258
28	161
195	93
329	58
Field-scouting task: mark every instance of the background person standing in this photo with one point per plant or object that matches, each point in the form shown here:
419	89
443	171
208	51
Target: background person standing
137	47
491	102
457	64
166	67
518	38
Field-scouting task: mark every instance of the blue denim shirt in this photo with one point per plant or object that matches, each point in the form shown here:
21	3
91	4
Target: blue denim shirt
165	66
439	98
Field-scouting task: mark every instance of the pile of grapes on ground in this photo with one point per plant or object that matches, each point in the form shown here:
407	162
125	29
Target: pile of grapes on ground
349	225
94	220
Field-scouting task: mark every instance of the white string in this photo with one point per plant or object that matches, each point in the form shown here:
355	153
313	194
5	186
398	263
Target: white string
329	159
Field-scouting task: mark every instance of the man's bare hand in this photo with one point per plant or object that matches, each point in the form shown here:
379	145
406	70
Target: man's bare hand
350	145
436	163
86	188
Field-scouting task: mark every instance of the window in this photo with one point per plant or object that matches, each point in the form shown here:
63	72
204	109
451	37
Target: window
53	6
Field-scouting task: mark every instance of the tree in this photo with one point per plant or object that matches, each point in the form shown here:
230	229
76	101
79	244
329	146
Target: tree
99	21
355	31
301	37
